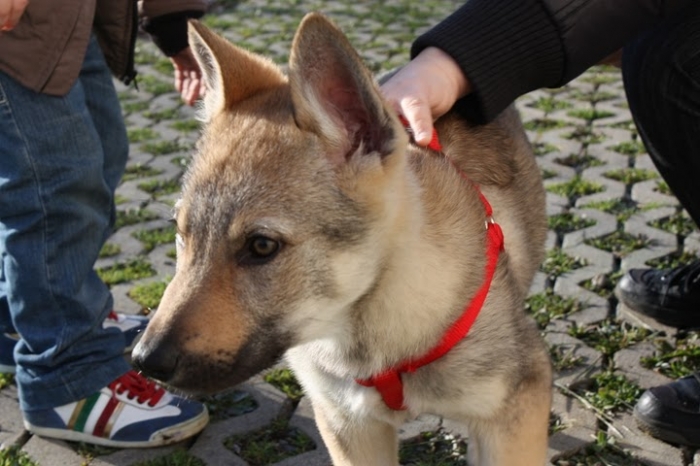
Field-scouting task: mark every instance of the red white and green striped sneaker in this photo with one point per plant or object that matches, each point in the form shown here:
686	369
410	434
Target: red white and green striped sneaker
130	412
131	326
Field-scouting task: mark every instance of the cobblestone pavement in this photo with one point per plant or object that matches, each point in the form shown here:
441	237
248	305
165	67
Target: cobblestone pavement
608	208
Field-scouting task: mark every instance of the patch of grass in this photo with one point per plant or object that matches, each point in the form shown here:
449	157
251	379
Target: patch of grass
160	187
548	306
673	260
600	78
141	134
270	444
558	263
611	392
568	222
678	224
675	361
6	380
169	114
593	96
186	126
181	161
164	67
133	172
155	237
575	188
284	380
549	104
154	85
148	295
622	209
579	161
609	336
563	358
547	174
631	175
604	452
586	135
439	448
133	216
89	451
543	124
603	284
110	250
662	187
126	271
13	456
229	404
542	148
633	147
619	243
135	107
589	114
163	147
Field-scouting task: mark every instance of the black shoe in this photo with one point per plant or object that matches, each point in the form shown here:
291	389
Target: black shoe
671	297
672	412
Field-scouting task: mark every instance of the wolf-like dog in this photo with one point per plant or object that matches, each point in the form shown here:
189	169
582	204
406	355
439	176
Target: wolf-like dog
310	226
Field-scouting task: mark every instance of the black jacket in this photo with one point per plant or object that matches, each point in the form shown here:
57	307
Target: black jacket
510	47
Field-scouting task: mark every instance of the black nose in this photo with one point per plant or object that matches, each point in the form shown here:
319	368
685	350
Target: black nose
155	359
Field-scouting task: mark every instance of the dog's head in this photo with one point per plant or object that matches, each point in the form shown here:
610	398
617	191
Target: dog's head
286	209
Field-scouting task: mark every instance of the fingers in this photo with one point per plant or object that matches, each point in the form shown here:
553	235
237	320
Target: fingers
10	12
419	118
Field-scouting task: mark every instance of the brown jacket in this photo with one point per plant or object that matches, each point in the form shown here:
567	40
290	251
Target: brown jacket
46	49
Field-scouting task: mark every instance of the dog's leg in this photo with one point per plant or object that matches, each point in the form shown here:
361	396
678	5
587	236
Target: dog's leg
368	442
518	436
472	451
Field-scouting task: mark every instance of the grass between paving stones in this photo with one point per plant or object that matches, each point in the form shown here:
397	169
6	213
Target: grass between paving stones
133	172
186	126
153	85
541	125
678	224
176	458
549	104
620	243
109	250
547	173
271	444
155	237
567	222
141	134
579	161
548	306
622	209
603	284
593	96
133	216
634	147
121	272
160	187
576	187
673	260
135	107
631	176
543	148
586	135
603	452
285	381
563	358
164	147
229	404
15	457
148	295
608	336
6	380
675	361
663	188
589	114
610	392
557	263
160	115
439	448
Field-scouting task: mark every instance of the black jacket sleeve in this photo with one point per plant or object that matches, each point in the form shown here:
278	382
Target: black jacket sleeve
169	32
510	47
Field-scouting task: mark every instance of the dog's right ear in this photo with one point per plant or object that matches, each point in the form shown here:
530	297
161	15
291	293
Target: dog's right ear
231	74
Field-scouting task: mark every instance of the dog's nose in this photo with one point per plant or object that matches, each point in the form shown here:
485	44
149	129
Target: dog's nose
158	360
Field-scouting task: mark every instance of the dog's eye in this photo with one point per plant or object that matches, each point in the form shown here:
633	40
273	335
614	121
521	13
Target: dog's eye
260	249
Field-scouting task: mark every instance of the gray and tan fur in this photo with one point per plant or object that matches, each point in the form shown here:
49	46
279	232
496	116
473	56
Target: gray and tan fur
309	226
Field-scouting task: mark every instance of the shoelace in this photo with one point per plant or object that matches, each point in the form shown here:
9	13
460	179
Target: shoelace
686	276
138	387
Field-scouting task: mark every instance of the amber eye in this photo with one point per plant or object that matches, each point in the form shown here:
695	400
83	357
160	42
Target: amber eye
261	246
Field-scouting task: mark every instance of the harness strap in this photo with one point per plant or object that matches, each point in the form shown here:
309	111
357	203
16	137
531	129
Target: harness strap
389	383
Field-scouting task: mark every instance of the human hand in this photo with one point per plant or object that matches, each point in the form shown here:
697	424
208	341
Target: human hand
10	12
425	89
188	76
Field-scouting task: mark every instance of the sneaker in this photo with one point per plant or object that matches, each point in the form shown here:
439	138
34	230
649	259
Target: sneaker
130	412
131	327
671	412
671	296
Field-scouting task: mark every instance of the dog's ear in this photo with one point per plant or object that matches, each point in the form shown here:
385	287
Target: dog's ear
231	74
334	95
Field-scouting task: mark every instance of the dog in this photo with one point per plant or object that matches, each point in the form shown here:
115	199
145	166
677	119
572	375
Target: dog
311	227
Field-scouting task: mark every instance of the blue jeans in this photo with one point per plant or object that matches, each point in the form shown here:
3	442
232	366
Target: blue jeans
61	159
661	72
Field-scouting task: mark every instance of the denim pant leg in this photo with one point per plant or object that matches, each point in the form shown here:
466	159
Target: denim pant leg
661	72
60	161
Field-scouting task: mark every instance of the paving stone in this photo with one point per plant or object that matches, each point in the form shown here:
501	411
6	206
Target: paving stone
628	362
647	449
11	426
579	427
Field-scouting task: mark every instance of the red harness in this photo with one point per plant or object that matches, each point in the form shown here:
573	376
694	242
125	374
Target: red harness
388	382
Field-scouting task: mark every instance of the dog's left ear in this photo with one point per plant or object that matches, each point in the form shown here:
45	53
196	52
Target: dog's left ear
334	94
